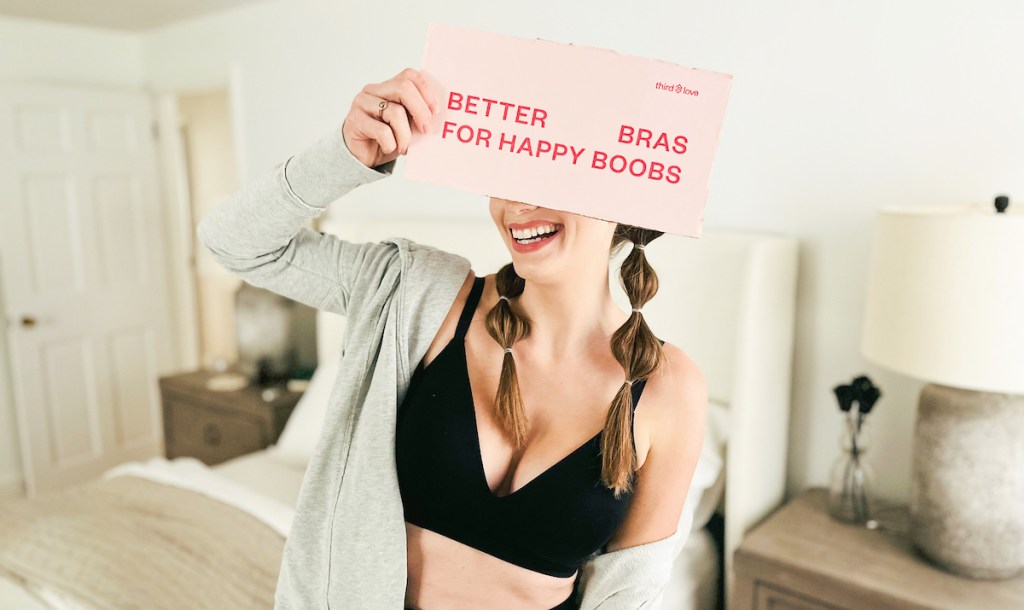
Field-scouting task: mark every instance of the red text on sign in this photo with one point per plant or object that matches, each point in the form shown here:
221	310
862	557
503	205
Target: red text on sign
637	167
642	137
505	111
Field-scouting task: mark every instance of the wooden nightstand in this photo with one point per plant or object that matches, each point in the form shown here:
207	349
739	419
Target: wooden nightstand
214	426
802	558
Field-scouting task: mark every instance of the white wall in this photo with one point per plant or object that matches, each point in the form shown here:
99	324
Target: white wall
836	108
39	51
44	51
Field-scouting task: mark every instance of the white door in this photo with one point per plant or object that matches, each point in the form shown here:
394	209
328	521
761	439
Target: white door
82	278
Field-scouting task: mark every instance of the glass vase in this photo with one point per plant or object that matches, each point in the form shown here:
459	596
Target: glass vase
852	479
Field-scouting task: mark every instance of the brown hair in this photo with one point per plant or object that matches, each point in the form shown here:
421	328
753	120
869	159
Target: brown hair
633	345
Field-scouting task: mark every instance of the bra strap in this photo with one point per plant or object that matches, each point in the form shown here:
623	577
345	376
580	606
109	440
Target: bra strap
469	308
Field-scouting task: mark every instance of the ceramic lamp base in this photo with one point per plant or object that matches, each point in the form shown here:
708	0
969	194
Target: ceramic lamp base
967	485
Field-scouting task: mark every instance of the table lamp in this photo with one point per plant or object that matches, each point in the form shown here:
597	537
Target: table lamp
945	304
274	333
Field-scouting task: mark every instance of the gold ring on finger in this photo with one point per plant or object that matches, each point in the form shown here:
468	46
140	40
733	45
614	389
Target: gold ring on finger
380	109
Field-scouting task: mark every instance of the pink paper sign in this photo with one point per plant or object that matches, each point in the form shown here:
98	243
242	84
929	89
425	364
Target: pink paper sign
569	127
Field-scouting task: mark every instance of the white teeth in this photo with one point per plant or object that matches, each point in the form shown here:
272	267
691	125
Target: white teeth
533	231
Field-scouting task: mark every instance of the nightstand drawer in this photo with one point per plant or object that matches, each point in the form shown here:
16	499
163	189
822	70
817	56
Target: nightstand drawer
210	435
801	558
768	597
214	426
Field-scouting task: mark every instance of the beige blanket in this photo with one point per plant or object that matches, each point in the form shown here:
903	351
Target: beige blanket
129	542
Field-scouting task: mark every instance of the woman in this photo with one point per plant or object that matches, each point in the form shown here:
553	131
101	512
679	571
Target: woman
528	364
557	323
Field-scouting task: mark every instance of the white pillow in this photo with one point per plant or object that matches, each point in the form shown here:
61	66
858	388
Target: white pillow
708	482
716	436
301	433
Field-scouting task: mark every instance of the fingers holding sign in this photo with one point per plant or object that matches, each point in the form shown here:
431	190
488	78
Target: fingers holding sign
378	127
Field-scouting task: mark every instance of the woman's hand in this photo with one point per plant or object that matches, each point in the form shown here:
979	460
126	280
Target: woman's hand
376	139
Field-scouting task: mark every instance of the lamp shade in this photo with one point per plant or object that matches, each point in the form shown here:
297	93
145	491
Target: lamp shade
945	298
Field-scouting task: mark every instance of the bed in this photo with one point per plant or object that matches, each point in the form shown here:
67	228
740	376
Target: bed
212	536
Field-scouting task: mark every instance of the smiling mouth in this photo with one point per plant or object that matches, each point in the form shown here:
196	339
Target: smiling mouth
531	240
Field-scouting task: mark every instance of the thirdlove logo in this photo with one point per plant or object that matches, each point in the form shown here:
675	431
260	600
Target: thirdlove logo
676	88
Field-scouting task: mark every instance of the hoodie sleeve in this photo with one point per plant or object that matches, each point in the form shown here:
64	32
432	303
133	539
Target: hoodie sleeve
259	233
629	578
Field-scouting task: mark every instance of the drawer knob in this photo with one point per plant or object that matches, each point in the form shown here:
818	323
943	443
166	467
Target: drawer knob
211	435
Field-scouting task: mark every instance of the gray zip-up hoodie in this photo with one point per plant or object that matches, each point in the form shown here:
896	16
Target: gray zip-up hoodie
347	545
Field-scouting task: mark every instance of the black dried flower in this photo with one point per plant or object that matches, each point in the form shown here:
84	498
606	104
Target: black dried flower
845	396
868	399
861	391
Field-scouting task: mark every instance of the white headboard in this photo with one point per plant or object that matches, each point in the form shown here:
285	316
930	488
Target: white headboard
727	299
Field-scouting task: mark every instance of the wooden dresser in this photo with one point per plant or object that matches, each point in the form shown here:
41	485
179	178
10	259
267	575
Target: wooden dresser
214	426
800	558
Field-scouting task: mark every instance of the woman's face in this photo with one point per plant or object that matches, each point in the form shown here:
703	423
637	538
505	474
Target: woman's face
578	241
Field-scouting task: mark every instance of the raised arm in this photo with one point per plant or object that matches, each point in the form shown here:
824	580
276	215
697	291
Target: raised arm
259	233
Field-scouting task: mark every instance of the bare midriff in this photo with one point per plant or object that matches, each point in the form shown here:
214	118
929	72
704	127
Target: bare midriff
445	573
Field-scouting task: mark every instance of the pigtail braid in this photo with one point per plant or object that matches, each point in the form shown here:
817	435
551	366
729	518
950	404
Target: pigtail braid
640	354
506	327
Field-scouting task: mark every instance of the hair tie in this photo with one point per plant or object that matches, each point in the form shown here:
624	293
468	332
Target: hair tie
638	246
636	309
508	350
630	381
504	297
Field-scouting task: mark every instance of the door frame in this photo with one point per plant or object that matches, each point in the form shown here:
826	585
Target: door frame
174	182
